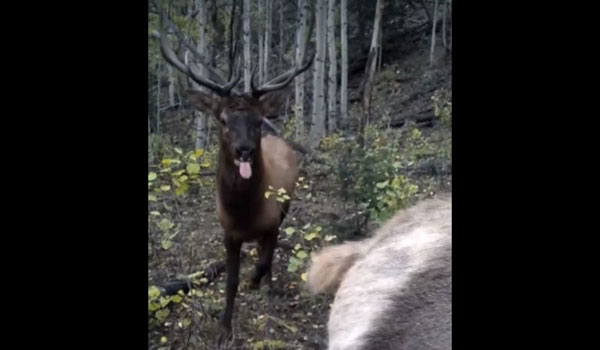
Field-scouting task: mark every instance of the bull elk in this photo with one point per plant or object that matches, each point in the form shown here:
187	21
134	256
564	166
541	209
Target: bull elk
394	290
248	163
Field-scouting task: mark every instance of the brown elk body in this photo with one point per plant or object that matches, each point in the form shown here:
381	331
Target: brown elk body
249	162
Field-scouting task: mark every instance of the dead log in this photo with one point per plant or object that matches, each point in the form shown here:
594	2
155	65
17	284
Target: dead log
211	273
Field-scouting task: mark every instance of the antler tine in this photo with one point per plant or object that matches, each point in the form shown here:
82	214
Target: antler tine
172	58
283	80
252	79
195	52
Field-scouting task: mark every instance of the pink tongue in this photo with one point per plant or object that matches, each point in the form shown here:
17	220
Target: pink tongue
245	170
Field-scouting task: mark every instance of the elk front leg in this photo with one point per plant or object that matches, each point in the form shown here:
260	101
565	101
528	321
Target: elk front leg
233	271
266	251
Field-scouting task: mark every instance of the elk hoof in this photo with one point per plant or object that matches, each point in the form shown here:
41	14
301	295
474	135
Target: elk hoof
224	339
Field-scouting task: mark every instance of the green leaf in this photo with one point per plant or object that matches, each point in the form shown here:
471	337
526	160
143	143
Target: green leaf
309	196
166	244
199	152
268	194
153	292
168	161
165	224
155	213
279	199
301	254
292	268
162	314
151	176
318	229
153	306
297	246
178	150
193	168
290	230
152	198
382	184
165	187
304	276
310	236
176	298
163	339
164	301
329	237
186	322
305	227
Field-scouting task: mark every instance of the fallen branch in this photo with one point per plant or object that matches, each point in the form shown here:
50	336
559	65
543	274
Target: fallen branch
211	273
423	118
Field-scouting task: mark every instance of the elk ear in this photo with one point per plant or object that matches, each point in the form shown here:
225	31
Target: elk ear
204	102
271	101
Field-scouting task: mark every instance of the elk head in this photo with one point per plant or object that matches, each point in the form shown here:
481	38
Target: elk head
239	115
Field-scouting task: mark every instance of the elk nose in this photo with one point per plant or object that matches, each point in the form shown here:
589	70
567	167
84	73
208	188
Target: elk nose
244	152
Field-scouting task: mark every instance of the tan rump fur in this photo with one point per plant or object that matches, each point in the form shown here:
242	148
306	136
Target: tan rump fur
280	162
370	276
330	266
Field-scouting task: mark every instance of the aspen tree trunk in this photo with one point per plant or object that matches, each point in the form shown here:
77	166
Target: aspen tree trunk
247	57
344	48
281	43
261	43
367	83
317	130
332	81
158	95
201	119
171	77
268	37
299	80
433	28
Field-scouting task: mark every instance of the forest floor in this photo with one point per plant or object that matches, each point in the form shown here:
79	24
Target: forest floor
286	316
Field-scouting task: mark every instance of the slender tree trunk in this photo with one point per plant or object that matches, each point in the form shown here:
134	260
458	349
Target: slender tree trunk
232	42
158	95
171	77
317	130
281	43
201	118
332	81
268	37
450	39
150	150
367	83
261	43
433	28
445	11
344	48
247	57
299	80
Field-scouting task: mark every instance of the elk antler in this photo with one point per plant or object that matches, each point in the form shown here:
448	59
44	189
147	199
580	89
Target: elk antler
283	80
222	89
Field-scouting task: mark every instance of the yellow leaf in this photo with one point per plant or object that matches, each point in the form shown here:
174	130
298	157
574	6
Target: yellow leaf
193	168
304	276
